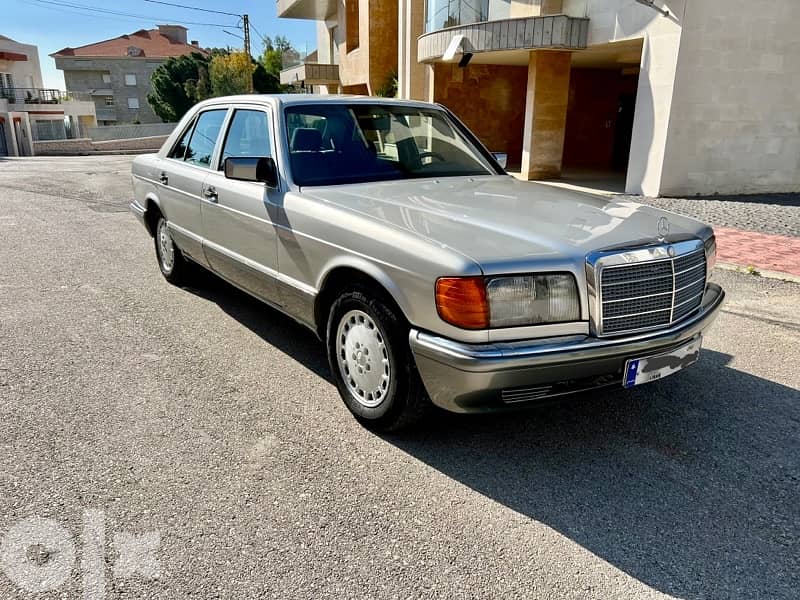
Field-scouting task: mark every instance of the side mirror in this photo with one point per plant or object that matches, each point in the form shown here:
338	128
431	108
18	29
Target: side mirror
501	158
259	169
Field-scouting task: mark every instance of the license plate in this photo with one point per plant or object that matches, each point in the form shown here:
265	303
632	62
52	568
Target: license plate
644	370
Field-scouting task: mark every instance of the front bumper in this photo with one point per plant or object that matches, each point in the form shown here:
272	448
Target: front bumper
486	377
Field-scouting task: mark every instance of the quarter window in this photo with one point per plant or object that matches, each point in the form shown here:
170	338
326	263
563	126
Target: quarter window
204	137
179	151
248	135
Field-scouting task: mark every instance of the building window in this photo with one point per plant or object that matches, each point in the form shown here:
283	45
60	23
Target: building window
106	77
351	25
109	100
130	79
133	103
6	80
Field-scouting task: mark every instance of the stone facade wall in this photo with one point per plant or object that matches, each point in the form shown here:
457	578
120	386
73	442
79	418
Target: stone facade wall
490	99
735	121
83	75
375	59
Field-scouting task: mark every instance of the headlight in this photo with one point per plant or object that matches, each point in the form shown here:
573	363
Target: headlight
711	253
512	301
532	299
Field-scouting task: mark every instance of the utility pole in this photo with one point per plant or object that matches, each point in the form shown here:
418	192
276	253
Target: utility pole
246	27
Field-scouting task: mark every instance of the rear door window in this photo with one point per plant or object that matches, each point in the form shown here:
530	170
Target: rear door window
204	137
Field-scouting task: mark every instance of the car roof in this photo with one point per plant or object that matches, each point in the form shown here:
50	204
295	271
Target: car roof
296	99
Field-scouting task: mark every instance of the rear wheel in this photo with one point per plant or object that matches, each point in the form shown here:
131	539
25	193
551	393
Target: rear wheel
372	364
174	267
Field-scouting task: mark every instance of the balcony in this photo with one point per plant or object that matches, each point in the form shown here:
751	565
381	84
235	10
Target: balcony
307	9
522	34
311	74
443	14
17	97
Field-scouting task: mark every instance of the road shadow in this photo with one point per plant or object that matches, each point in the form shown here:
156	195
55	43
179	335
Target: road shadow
269	324
690	484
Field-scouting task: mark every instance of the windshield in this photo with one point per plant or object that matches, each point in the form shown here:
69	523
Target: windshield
352	143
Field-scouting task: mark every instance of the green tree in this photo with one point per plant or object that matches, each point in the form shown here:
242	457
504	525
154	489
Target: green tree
177	85
231	74
277	51
264	82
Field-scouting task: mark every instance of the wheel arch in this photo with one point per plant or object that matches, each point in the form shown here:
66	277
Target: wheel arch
348	274
152	209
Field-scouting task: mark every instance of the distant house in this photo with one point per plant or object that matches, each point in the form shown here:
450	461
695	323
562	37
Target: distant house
31	113
116	72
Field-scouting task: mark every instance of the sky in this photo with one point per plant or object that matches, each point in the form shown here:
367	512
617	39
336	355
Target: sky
51	25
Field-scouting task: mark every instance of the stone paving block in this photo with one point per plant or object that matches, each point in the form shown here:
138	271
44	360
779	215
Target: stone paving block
763	251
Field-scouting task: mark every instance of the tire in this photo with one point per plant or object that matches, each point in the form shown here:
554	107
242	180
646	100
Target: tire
378	381
171	262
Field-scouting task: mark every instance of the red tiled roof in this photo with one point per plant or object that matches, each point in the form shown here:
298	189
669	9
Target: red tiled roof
151	42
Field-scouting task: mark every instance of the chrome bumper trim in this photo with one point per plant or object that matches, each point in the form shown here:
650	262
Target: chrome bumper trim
138	210
453	370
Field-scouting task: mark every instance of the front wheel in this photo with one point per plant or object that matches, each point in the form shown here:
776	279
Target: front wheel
372	364
174	267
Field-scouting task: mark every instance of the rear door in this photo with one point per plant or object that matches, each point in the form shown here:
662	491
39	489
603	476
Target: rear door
181	178
240	240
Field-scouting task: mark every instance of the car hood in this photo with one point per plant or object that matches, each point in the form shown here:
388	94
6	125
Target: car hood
499	219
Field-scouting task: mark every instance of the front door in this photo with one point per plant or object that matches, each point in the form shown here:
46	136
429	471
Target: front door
181	180
239	236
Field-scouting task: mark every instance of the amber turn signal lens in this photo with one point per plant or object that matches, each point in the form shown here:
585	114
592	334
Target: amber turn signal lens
461	301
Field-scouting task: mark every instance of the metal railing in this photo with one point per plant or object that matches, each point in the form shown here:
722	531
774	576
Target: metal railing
15	95
440	14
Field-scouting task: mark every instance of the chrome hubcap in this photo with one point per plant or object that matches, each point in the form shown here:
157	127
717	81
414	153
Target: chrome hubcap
166	249
363	358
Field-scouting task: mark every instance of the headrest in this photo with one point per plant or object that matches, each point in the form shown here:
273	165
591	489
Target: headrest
306	139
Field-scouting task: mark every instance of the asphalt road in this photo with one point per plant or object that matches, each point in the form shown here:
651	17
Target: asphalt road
183	443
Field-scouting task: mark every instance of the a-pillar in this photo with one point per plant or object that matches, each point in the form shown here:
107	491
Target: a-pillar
545	114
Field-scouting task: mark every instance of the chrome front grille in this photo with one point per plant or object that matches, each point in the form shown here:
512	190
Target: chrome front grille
647	289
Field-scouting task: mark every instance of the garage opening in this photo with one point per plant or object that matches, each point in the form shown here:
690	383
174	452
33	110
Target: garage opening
602	103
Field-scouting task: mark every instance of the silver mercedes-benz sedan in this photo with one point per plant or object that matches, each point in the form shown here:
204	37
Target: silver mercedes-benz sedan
433	277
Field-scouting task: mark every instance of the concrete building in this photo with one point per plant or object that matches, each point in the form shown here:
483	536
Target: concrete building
116	72
676	96
29	113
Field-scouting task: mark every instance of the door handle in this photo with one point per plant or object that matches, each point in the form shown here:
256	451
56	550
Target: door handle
164	179
210	193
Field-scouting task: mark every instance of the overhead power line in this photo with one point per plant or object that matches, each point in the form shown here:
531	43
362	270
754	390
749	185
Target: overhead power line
105	11
208	10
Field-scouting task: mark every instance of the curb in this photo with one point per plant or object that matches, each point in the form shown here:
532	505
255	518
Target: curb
761	272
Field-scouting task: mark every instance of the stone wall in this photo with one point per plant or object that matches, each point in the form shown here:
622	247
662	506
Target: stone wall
87	146
368	67
735	121
490	99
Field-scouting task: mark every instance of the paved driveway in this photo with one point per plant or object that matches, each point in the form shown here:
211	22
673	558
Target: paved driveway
180	443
